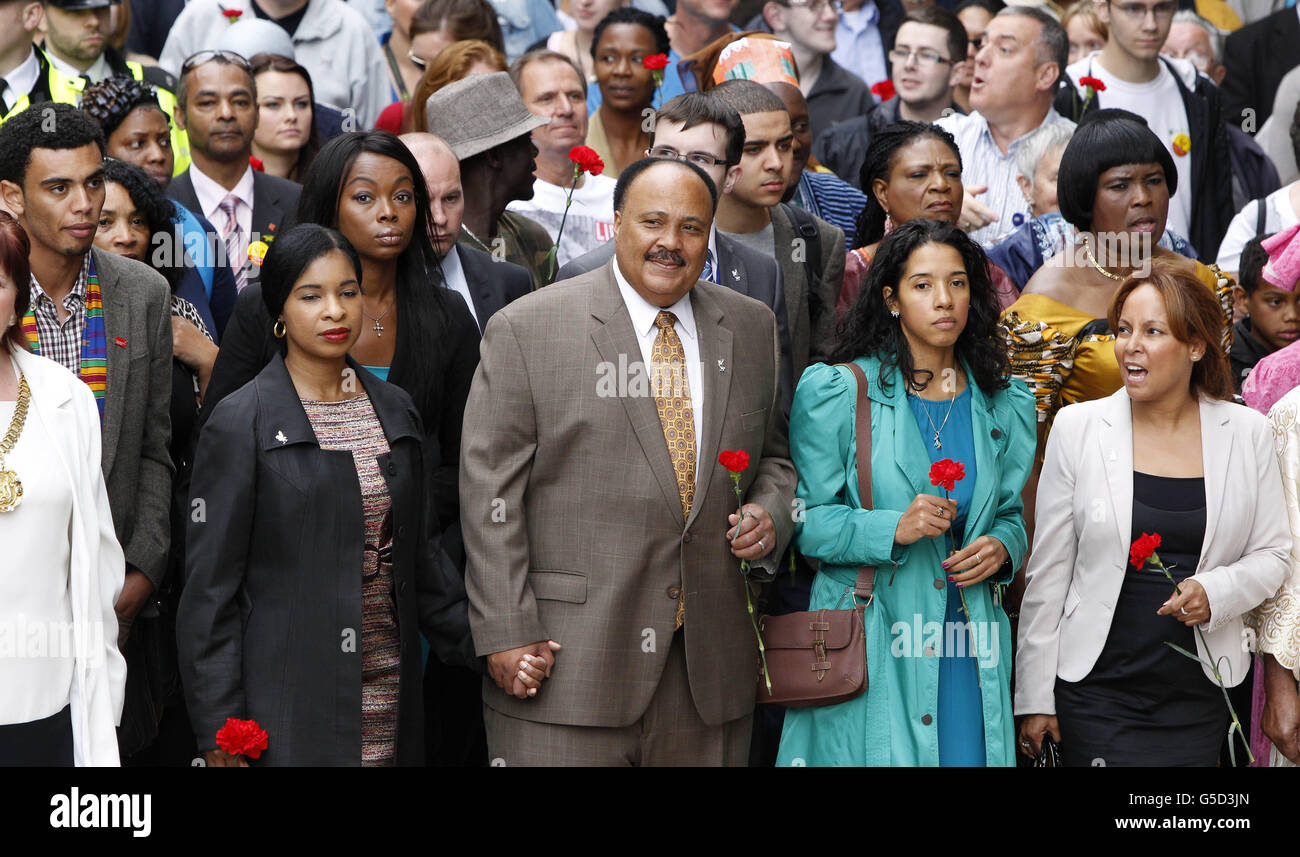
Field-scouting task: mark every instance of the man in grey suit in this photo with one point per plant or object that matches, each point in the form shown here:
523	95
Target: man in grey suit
603	588
708	132
809	250
52	179
216	103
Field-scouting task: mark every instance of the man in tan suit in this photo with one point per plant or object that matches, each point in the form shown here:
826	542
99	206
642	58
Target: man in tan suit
603	587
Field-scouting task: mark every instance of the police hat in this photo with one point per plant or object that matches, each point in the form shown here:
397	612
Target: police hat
79	5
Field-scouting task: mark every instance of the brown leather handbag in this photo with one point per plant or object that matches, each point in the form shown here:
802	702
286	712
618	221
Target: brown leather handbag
819	657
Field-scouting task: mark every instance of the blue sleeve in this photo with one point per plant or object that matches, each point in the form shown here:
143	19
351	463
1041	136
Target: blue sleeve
834	528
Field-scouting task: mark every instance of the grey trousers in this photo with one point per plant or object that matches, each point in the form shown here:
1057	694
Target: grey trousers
669	733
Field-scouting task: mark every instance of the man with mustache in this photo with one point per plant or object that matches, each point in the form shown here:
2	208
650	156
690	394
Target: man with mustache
809	250
602	534
552	86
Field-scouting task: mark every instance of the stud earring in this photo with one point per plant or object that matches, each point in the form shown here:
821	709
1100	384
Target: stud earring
894	313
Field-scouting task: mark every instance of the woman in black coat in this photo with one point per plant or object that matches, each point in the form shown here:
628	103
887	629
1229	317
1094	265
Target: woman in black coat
311	567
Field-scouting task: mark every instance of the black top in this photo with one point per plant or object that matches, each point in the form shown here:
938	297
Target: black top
1144	703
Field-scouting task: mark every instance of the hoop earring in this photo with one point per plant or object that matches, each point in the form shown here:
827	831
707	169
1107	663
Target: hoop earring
278	330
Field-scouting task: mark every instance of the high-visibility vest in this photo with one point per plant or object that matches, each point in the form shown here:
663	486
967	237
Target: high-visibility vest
167	101
51	85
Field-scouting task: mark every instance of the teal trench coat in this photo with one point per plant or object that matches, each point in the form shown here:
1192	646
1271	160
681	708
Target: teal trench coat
895	721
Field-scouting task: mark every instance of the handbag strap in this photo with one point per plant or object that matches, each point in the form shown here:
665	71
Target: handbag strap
866	582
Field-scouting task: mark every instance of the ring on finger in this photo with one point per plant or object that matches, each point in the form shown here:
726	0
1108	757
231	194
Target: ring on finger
977	559
761	546
1184	609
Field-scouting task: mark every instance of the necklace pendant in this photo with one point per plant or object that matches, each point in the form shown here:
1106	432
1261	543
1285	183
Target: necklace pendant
378	329
938	444
11	491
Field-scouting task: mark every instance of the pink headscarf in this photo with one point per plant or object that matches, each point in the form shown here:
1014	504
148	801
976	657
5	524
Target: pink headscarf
1283	267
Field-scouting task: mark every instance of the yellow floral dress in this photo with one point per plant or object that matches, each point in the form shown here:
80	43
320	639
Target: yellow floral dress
1065	356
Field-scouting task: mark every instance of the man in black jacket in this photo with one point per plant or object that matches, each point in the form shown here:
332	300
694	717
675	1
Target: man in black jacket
1136	78
1258	56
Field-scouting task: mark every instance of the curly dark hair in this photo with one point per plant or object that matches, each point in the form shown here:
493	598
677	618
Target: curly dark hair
878	164
158	212
112	100
632	15
869	330
48	125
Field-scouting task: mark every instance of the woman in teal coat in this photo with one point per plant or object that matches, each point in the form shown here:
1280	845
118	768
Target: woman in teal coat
923	330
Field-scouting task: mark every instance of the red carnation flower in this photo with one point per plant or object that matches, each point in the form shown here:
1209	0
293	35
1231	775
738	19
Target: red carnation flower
587	159
242	738
947	473
256	163
883	90
1143	549
735	460
1093	83
232	15
655	62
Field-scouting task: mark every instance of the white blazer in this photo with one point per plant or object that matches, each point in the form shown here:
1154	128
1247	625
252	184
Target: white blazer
1083	529
63	407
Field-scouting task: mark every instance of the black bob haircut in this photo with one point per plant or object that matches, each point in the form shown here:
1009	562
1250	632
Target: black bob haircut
1105	139
49	125
291	254
631	15
630	173
868	329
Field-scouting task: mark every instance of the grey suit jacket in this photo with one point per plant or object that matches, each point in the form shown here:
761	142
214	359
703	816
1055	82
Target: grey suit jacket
739	268
275	200
810	343
570	510
137	417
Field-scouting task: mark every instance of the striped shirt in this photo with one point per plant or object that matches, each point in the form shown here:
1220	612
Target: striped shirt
983	163
834	200
61	340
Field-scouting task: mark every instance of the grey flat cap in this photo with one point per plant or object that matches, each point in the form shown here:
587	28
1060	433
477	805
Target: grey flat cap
479	112
252	36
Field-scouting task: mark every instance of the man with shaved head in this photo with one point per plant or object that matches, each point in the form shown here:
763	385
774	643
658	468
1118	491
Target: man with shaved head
600	527
485	283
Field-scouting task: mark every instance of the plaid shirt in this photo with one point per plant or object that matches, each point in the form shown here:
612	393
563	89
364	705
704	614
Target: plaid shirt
61	340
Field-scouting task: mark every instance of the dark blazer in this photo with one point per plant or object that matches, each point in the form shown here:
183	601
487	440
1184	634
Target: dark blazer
1257	57
137	423
810	341
836	95
249	346
492	284
275	200
273	583
740	269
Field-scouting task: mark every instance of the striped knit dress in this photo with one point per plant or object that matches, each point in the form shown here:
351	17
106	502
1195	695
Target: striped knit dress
352	425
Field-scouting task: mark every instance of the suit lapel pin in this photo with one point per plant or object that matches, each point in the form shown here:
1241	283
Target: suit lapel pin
279	435
735	275
722	366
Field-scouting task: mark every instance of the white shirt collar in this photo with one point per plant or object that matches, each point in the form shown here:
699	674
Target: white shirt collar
211	194
97	72
20	81
644	313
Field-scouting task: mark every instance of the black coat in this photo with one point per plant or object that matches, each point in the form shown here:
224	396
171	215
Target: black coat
1257	57
273	576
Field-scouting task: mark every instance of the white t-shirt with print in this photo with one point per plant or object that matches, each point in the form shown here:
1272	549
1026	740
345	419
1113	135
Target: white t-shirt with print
591	217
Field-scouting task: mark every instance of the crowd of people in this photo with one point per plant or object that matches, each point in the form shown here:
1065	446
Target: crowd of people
457	382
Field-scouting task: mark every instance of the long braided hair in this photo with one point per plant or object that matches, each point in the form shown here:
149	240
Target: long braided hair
881	154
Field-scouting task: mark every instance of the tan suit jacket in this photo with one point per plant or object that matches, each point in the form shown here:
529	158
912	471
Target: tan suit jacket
570	509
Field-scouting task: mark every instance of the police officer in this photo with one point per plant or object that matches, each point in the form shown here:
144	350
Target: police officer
76	34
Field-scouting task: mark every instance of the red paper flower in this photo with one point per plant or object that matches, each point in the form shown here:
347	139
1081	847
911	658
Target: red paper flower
256	163
947	473
735	460
242	738
587	160
883	90
655	62
1143	549
232	15
1093	83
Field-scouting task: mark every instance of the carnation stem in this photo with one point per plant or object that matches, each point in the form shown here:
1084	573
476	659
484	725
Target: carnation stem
744	571
568	201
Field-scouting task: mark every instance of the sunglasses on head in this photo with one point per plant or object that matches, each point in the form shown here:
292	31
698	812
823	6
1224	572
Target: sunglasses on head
196	60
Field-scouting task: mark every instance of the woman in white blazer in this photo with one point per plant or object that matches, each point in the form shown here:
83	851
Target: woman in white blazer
62	568
1168	453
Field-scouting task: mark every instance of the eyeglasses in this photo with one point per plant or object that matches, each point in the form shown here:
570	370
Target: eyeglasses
198	59
700	159
816	6
1137	12
421	64
925	57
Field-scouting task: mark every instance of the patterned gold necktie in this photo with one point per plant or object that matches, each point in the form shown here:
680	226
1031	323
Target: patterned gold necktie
672	395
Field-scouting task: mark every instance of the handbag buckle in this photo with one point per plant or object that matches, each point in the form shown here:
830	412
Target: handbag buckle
819	627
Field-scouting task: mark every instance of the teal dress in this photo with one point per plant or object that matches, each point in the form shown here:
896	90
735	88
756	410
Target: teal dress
896	721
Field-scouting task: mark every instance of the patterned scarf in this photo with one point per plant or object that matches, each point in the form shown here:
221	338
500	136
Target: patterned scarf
94	341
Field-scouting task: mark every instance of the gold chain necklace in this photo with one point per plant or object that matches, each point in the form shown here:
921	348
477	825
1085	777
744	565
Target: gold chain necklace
1093	259
11	488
